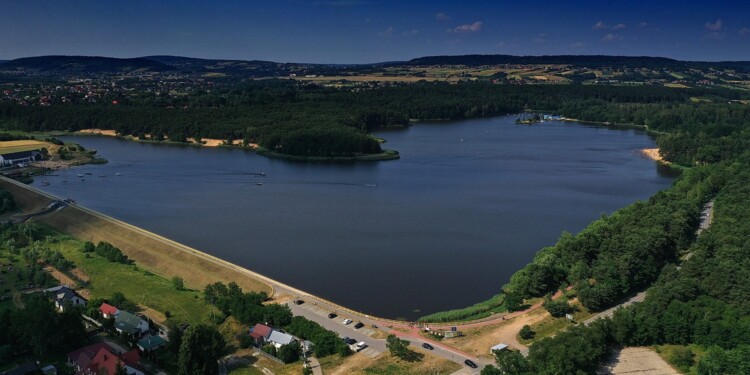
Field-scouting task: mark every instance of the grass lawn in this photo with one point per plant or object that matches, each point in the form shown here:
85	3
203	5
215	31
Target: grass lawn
386	364
7	147
138	285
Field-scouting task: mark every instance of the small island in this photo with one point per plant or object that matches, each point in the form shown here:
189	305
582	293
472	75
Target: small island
531	120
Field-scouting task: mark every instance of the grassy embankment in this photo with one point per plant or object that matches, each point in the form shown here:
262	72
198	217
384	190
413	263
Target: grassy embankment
151	252
478	311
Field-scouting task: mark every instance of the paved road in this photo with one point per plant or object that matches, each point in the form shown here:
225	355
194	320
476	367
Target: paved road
318	311
610	311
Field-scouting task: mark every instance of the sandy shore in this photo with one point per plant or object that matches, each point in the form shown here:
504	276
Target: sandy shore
207	142
653	154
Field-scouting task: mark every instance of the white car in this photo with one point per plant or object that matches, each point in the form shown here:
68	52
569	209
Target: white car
347	321
360	346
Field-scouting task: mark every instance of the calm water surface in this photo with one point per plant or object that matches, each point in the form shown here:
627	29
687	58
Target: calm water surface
468	204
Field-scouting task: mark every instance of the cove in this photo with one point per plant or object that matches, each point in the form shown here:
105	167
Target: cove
467	205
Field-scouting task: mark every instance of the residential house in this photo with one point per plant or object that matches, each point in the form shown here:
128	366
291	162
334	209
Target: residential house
130	323
108	311
260	334
15	158
107	362
64	296
279	339
150	342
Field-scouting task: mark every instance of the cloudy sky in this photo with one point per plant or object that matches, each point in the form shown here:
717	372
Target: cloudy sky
360	31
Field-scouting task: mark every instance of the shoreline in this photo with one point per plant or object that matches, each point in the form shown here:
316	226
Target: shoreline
159	254
653	154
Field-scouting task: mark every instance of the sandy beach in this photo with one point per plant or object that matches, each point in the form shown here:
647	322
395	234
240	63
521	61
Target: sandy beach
207	142
653	154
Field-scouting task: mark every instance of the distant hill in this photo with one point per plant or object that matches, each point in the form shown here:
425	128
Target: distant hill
575	60
83	64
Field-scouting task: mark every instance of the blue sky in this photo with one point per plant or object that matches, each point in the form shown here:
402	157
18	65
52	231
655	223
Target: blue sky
361	31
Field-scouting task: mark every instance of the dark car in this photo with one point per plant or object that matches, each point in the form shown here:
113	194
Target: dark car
332	315
298	302
427	346
359	325
470	363
349	341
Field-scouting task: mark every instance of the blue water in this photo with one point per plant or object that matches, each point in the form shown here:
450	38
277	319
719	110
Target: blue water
468	204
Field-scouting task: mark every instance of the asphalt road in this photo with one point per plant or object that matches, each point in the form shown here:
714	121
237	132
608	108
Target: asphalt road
318	311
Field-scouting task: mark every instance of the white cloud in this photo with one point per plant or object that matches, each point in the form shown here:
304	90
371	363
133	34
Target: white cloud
578	44
643	24
611	37
600	26
744	31
410	32
442	17
716	26
618	26
389	32
468	28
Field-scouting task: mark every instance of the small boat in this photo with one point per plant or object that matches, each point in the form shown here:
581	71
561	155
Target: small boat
80	175
118	174
45	183
259	184
88	173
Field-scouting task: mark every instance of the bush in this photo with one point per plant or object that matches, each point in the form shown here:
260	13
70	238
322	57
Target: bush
557	308
682	357
526	333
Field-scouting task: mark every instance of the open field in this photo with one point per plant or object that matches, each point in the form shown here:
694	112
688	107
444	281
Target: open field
139	286
150	252
642	361
7	147
386	364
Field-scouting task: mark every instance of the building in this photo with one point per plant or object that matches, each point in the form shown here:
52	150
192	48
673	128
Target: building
498	348
131	324
279	339
150	343
107	362
260	334
15	158
108	311
64	296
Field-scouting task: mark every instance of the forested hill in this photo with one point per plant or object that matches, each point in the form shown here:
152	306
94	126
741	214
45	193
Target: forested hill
576	61
83	64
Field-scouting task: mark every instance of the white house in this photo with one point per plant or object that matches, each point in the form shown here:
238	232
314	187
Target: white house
64	296
498	348
14	158
279	339
129	323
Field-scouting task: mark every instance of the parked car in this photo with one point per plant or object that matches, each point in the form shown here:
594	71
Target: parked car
359	325
427	346
349	341
470	363
332	315
360	346
298	301
347	321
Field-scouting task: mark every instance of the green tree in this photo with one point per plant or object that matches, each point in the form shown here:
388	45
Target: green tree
178	283
289	353
526	333
400	348
202	346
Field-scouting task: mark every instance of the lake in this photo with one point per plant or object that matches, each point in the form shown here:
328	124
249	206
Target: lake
467	205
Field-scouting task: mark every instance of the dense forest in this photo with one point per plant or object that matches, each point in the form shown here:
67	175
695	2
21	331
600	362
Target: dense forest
293	118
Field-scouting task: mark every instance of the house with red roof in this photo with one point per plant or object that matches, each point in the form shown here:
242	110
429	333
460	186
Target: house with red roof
107	362
260	333
100	357
108	311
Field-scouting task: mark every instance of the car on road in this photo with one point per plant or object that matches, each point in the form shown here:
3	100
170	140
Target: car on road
347	321
359	325
332	315
428	346
360	346
349	341
470	363
298	302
